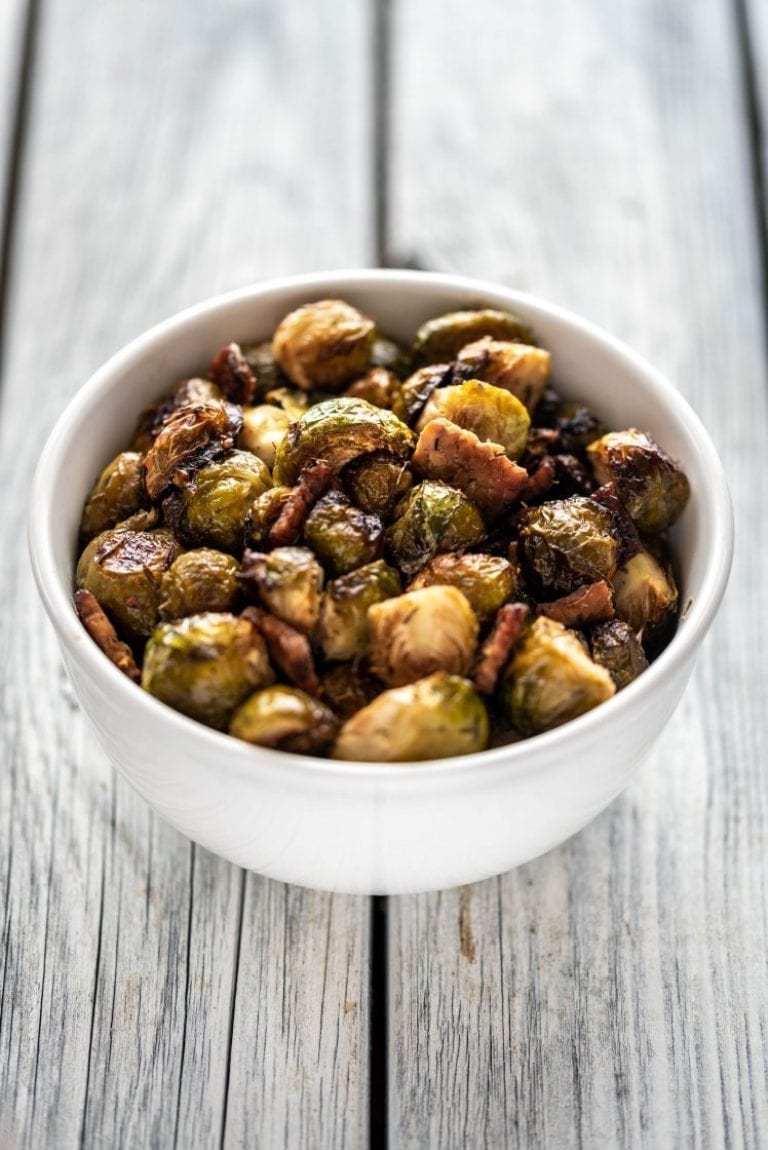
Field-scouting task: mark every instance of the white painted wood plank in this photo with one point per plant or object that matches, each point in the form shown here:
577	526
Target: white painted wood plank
175	151
615	992
12	14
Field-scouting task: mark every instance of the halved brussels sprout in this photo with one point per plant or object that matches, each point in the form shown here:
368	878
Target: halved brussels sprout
198	581
324	345
123	569
190	437
342	536
213	512
264	512
551	679
206	665
492	413
568	542
434	518
486	581
645	595
338	431
440	340
344	628
153	417
518	368
119	492
378	386
651	485
616	647
287	719
412	635
263	430
434	718
289	582
376	483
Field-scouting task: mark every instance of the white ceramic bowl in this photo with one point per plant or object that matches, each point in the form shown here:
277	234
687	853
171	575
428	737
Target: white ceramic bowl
375	828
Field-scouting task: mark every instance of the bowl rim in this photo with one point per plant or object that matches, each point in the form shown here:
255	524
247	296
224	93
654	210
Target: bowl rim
233	754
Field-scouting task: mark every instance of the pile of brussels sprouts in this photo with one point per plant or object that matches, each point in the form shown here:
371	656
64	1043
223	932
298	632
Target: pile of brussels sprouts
335	546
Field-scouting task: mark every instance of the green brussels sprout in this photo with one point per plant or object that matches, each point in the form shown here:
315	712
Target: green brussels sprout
190	437
517	367
263	430
440	340
289	583
492	413
287	719
645	595
434	518
119	492
417	388
344	630
434	718
342	536
569	542
213	512
347	688
324	345
616	647
376	483
264	366
123	569
198	581
338	431
264	512
378	386
412	635
206	665
292	401
551	679
487	581
187	391
650	484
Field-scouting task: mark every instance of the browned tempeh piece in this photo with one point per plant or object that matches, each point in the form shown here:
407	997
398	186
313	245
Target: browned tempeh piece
94	619
497	648
288	649
481	470
231	372
313	482
582	607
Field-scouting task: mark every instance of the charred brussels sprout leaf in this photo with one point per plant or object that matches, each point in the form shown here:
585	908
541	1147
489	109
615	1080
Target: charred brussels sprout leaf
434	718
119	492
288	581
440	340
417	388
263	430
434	518
551	679
492	413
342	536
123	569
518	368
569	542
190	437
213	511
324	345
486	581
287	719
338	431
187	391
206	665
432	629
344	629
376	483
378	386
616	647
645	596
198	581
650	484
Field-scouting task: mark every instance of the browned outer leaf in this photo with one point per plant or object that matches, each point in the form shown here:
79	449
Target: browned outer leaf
99	627
481	470
582	607
497	648
191	437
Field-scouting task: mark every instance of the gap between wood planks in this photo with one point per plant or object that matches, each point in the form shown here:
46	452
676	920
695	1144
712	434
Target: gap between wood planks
748	70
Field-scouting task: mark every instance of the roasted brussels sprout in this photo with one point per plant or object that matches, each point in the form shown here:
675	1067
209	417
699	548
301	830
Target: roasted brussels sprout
551	679
263	430
123	569
492	413
434	518
440	340
198	581
417	388
290	400
344	628
616	647
376	483
119	492
264	512
645	595
324	345
342	536
434	718
386	353
338	431
518	368
287	719
569	542
213	512
288	581
576	426
263	364
378	386
152	418
650	484
347	688
432	629
487	581
206	665
190	437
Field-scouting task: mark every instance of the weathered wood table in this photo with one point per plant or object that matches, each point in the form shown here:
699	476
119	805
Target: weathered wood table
605	155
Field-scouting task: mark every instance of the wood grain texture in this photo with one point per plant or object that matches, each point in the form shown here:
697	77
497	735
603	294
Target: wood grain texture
174	151
12	13
615	992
